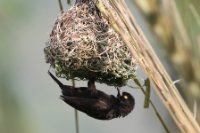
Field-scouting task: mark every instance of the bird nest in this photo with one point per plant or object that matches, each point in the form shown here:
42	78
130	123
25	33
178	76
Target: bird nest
83	45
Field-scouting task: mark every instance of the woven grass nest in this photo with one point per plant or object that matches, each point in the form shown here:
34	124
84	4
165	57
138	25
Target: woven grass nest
83	45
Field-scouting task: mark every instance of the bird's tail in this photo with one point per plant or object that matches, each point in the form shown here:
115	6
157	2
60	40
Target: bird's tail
55	79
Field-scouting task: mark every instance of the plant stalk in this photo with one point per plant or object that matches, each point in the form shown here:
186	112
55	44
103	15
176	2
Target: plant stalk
121	19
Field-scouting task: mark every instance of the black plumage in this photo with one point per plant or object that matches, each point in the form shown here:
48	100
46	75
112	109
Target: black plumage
96	103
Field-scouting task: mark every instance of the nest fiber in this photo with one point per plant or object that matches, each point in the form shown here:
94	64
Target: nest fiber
83	45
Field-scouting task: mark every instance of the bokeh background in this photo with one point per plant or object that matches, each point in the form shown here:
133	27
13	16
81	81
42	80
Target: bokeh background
29	99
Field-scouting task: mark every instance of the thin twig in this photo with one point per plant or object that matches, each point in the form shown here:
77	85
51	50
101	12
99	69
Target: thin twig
76	113
61	6
77	121
153	106
73	82
68	2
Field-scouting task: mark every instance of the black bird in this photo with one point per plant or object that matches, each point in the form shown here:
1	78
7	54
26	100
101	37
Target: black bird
96	103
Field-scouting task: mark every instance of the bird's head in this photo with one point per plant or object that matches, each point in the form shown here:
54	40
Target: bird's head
126	103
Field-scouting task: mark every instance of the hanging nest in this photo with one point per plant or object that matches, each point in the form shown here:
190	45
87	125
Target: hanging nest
83	45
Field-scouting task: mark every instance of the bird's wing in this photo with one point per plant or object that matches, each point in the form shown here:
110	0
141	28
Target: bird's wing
76	92
86	104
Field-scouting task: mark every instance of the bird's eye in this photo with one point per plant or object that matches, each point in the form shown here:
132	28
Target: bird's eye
125	97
